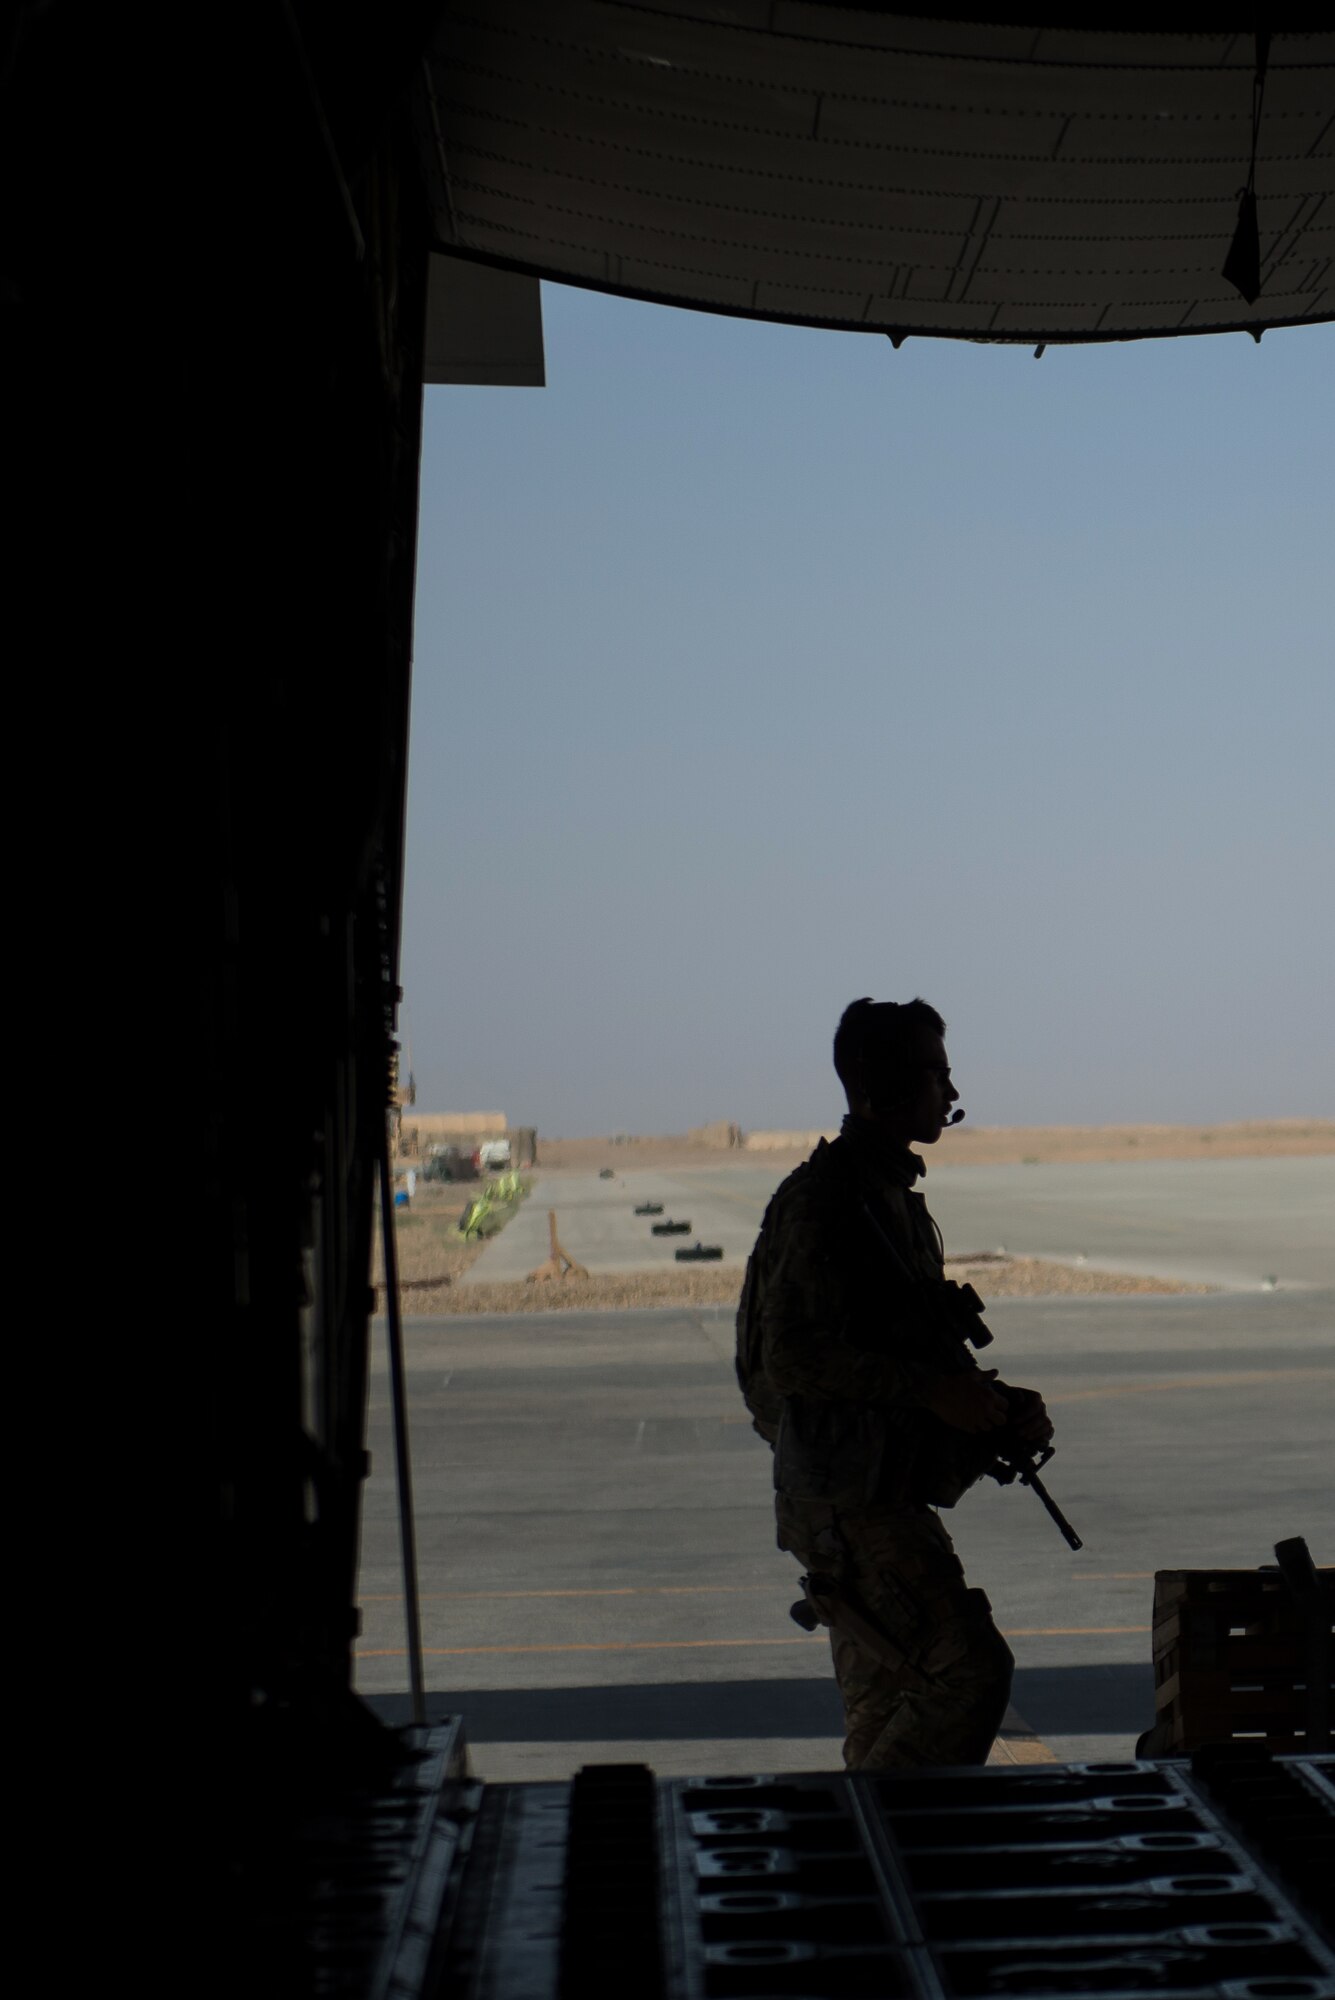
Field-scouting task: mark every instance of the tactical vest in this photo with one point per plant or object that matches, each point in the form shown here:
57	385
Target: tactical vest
761	1399
845	1451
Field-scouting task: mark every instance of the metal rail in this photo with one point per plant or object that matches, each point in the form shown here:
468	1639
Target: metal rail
402	1462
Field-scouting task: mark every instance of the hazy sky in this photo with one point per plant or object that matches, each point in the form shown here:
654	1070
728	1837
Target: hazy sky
760	668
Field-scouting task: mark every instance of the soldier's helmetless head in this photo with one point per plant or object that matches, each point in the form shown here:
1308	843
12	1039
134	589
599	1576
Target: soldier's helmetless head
891	1058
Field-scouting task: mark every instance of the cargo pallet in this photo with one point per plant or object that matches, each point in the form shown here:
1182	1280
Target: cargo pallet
1239	1655
1204	1880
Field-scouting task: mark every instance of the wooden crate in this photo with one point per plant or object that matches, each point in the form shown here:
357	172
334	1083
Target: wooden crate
1231	1654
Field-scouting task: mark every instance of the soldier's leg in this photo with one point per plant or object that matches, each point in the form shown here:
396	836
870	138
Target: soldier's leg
868	1688
906	1573
871	1691
939	1693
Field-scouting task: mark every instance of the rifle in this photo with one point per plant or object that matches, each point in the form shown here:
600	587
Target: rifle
954	1313
1017	1460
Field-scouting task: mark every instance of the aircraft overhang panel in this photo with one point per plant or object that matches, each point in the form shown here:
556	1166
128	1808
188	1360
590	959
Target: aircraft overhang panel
848	167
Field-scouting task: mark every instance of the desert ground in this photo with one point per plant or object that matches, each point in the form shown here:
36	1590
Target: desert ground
440	1273
985	1145
434	1259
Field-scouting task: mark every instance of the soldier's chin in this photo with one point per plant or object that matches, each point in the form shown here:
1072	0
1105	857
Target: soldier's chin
931	1133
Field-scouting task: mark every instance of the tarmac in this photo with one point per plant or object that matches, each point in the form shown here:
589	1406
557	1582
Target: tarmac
596	1554
599	1228
1243	1224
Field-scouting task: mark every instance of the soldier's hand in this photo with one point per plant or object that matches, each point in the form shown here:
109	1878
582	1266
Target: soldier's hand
1029	1418
969	1401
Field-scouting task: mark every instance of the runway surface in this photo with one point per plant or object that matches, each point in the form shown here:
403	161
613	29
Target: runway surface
597	1561
1235	1223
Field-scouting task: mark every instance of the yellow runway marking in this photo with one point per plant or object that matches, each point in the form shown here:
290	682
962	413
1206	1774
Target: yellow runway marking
621	1590
1020	1750
697	1645
1018	1742
588	1646
1070	1631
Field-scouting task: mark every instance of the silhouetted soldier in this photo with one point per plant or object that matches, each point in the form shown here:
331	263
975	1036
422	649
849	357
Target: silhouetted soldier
870	1435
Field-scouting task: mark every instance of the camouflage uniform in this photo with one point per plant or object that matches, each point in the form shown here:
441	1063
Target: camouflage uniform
860	1463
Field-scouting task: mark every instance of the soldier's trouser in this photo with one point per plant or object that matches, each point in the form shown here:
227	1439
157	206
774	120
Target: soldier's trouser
945	1703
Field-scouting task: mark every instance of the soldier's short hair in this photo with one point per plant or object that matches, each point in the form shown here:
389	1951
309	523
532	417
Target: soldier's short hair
879	1039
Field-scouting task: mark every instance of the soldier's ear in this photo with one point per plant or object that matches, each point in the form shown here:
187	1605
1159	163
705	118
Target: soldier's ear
871	1086
886	1092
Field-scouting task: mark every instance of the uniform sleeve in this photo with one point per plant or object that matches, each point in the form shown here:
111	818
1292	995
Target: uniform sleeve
811	1340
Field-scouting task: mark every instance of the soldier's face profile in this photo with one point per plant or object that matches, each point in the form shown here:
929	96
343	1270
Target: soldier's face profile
932	1091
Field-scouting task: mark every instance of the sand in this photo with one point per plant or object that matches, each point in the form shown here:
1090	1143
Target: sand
720	1284
432	1256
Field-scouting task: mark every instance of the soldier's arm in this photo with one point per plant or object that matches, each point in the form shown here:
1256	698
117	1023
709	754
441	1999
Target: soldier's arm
808	1321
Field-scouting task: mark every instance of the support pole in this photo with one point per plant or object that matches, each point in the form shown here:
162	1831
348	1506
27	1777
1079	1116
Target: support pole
402	1463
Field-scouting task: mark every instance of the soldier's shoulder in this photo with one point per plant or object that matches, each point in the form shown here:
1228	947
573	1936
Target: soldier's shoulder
814	1193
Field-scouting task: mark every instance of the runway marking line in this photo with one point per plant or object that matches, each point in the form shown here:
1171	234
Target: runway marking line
620	1590
1071	1631
700	1645
584	1646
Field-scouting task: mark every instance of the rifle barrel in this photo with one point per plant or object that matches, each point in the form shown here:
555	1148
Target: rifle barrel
1068	1533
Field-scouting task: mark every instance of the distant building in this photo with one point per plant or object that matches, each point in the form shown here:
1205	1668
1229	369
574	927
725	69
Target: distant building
723	1133
417	1132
